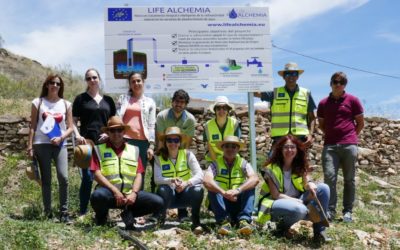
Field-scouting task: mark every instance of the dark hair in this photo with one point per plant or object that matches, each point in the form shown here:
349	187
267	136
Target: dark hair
45	90
343	77
163	151
129	79
92	69
300	163
181	94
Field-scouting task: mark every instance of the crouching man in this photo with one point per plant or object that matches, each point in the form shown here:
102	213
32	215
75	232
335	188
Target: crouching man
118	171
231	183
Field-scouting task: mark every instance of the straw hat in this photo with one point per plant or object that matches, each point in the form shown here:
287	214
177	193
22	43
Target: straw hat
83	153
114	122
220	101
173	131
232	140
291	66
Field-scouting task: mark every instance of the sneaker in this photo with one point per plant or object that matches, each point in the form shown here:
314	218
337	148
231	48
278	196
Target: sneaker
225	229
330	216
347	217
64	218
245	228
322	237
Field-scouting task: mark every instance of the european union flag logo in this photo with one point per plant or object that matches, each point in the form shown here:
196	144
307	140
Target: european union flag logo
215	137
119	14
224	171
165	167
107	155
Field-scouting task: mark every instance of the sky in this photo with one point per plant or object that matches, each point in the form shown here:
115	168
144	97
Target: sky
359	34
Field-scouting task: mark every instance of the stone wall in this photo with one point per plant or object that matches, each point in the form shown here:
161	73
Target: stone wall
378	149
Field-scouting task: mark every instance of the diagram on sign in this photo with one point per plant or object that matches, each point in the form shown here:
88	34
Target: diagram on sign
128	60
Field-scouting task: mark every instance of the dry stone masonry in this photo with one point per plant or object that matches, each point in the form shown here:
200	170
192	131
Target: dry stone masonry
378	148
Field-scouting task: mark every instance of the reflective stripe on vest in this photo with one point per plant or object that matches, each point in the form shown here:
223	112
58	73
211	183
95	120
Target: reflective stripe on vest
214	134
230	179
289	115
119	171
180	169
275	173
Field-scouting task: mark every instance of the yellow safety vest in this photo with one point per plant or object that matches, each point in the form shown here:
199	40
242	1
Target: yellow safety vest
214	134
180	169
266	201
289	116
119	171
230	179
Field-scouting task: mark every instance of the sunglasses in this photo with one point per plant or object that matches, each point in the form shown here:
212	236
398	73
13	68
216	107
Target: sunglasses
231	145
291	73
287	147
173	140
116	130
53	83
91	78
221	107
335	82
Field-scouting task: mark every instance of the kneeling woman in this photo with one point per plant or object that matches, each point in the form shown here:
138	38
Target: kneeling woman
178	175
288	190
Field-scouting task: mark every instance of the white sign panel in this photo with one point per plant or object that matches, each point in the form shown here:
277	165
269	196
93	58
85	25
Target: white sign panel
199	49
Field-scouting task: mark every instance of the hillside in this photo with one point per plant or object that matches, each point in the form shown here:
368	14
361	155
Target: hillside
21	80
376	213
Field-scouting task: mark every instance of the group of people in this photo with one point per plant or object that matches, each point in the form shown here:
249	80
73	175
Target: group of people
128	135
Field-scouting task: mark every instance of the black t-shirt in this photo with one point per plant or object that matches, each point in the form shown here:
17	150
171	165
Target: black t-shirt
93	116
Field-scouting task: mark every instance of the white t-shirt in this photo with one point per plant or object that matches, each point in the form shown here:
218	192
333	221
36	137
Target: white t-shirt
289	188
55	109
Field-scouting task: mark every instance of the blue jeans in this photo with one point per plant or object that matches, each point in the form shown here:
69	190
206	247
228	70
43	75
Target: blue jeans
334	157
239	210
103	199
287	212
85	190
143	146
190	197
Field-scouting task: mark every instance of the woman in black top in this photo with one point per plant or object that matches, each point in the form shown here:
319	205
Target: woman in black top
93	111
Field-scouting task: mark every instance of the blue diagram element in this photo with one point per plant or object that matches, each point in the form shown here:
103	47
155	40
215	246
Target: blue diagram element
204	85
232	14
255	62
119	14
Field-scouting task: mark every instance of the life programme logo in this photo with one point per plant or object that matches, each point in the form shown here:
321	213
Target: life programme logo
240	13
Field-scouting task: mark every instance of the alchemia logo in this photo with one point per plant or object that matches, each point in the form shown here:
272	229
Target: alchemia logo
233	14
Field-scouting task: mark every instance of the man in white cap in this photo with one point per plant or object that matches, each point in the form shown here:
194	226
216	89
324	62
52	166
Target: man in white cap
292	107
231	183
216	129
117	169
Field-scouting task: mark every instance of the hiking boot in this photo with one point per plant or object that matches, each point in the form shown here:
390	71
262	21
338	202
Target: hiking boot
225	228
128	219
347	217
197	229
64	218
245	228
322	237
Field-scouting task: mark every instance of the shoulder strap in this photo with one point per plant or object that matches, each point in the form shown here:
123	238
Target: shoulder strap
38	111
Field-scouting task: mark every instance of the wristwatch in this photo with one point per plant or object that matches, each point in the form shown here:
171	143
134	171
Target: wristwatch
238	189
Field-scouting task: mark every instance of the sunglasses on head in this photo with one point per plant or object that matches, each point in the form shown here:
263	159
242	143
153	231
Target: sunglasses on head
116	130
290	73
58	84
335	82
231	145
173	140
91	78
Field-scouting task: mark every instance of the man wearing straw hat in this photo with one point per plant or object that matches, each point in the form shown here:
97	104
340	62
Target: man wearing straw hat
118	170
292	107
231	183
